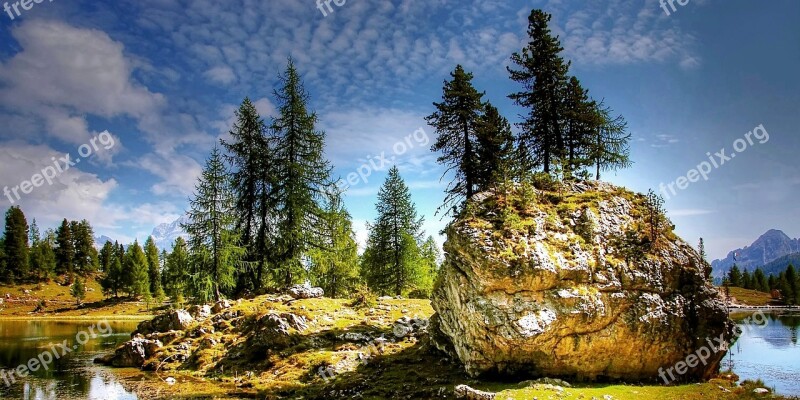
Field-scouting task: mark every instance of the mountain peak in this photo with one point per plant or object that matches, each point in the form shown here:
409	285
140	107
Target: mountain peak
165	234
768	247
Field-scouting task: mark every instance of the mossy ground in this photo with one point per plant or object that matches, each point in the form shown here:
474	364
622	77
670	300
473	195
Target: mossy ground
407	369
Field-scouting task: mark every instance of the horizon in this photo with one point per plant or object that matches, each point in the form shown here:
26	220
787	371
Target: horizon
690	82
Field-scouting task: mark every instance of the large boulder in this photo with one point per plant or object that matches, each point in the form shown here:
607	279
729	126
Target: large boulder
305	292
563	283
173	320
277	331
132	354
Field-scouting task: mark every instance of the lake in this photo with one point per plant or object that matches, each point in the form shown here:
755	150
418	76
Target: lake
69	376
768	352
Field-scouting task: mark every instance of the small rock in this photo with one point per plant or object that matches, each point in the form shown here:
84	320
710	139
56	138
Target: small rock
200	312
305	292
221	306
170	381
468	393
760	391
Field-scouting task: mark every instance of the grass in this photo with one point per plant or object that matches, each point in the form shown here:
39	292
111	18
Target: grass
751	297
24	301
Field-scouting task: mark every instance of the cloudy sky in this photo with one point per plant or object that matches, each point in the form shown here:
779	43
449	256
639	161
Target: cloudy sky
163	78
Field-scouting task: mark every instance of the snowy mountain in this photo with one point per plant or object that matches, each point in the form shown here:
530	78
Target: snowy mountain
101	240
165	234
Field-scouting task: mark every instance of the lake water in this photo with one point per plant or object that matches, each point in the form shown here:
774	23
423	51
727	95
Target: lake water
73	376
769	352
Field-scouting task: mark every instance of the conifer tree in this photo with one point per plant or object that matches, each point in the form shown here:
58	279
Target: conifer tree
139	278
608	147
655	218
747	280
78	291
735	276
65	252
543	75
16	246
302	176
111	262
153	268
391	259
456	121
176	270
213	241
334	266
251	181
495	149
792	294
429	256
43	257
85	260
760	280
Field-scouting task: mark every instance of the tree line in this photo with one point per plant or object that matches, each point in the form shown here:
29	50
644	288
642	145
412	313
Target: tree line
787	282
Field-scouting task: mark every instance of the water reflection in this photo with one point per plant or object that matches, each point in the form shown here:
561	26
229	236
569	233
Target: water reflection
768	352
71	376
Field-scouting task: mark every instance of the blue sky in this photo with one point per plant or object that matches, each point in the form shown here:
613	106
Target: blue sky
164	77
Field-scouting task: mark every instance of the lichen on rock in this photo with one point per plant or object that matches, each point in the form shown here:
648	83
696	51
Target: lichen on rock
550	285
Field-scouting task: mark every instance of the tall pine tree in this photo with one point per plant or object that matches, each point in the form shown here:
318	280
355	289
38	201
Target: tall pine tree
391	259
495	149
543	75
456	120
65	252
609	143
251	181
212	237
334	266
138	283
16	246
176	270
153	268
302	176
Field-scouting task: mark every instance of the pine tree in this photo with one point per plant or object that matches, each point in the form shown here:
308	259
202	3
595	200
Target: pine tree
212	238
735	276
153	268
792	295
302	176
456	120
176	270
43	257
543	75
65	253
334	267
701	249
85	260
15	245
495	149
78	291
429	257
655	217
760	280
609	143
747	280
580	120
139	278
391	260
251	181
111	264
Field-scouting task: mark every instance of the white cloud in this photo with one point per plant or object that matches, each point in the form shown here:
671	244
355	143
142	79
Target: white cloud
223	75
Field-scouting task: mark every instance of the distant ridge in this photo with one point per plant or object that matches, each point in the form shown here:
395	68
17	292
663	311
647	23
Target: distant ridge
770	248
165	234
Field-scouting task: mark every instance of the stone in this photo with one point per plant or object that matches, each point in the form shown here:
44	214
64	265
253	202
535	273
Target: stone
177	320
305	292
275	332
221	306
200	312
760	391
531	296
467	393
132	354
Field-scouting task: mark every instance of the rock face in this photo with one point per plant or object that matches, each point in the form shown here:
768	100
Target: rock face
561	284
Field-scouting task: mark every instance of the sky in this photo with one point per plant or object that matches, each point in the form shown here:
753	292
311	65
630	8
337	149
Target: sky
138	93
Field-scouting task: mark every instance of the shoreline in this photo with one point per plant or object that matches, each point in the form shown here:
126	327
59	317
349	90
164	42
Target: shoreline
75	317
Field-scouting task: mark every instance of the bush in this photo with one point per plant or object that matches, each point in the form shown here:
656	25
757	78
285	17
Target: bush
363	297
